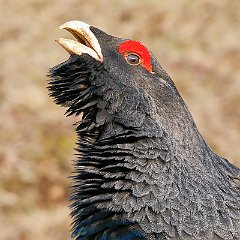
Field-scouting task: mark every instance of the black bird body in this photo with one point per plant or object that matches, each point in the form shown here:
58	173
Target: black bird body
143	170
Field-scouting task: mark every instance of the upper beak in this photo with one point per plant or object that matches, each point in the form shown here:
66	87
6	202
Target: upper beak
85	42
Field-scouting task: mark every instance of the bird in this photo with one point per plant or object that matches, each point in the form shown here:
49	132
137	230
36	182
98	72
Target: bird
142	168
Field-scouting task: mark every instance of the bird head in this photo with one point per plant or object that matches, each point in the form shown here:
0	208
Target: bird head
117	85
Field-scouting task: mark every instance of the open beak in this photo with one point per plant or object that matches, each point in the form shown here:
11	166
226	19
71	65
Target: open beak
85	41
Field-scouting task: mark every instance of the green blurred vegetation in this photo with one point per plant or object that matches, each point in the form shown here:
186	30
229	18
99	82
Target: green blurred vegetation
197	42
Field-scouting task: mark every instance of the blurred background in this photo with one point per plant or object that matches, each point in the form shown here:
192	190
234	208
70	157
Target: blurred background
197	42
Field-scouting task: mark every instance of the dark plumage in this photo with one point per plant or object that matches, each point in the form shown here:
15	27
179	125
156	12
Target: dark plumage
143	170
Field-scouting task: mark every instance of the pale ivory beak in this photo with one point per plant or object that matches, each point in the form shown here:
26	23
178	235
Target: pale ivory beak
85	41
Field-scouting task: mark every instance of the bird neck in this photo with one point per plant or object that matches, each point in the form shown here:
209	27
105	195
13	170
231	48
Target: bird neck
134	177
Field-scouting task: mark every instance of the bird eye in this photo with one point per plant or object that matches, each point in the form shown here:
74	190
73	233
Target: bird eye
133	59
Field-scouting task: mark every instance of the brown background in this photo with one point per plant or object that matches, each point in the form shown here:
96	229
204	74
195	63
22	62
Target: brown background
197	42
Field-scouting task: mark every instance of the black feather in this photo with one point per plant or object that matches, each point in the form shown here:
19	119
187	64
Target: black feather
143	171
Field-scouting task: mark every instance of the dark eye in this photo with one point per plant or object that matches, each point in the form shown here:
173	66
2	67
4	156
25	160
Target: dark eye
133	59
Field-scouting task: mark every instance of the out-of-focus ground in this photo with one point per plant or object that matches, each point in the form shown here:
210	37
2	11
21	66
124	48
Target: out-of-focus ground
197	42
